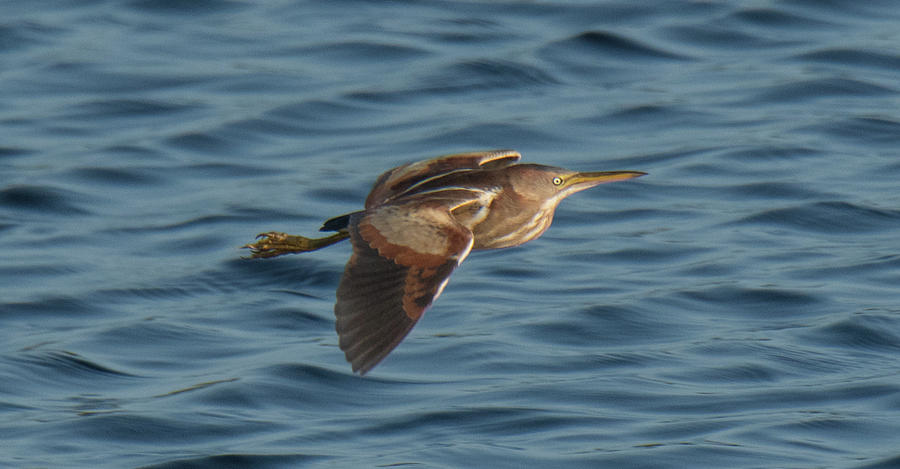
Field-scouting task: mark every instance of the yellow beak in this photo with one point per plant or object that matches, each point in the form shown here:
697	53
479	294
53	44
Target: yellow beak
591	179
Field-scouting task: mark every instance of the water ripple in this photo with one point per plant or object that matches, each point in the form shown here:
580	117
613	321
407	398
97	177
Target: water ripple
762	303
179	7
774	190
732	373
777	19
42	200
487	74
366	52
204	142
608	45
20	36
466	76
68	364
887	463
860	267
90	79
866	130
860	331
852	58
137	428
608	325
117	109
7	152
63	306
260	461
806	90
720	37
829	218
122	177
321	114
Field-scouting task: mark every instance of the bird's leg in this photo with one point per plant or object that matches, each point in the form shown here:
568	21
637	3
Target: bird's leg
275	243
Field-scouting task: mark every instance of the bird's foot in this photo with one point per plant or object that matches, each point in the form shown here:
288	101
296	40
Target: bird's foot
276	243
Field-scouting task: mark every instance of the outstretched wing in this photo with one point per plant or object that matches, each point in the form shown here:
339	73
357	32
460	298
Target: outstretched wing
395	182
403	255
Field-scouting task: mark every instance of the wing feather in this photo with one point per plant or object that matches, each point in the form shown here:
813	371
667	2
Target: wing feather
403	253
395	182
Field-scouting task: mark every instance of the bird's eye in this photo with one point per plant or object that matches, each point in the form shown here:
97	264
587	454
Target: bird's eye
557	181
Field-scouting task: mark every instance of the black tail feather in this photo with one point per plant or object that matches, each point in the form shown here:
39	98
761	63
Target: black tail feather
337	223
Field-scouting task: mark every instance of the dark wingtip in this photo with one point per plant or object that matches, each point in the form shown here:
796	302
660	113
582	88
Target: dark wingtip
362	368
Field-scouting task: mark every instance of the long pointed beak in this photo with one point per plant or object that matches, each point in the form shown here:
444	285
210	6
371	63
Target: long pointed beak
590	179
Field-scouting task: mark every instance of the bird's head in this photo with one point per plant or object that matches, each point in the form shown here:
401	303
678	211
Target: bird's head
550	184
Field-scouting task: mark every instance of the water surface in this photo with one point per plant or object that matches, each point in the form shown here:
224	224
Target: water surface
738	307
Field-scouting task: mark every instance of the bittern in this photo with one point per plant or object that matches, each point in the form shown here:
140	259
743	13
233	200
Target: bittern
420	222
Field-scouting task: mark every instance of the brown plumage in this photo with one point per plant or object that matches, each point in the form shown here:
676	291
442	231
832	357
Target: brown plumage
420	222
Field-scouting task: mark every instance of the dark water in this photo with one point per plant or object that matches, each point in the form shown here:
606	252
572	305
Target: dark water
738	307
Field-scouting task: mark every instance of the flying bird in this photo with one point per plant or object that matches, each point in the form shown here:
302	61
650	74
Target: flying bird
420	222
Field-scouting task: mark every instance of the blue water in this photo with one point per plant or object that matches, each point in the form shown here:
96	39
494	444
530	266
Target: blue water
737	308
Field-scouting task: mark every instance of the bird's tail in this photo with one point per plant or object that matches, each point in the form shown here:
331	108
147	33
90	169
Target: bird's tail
337	223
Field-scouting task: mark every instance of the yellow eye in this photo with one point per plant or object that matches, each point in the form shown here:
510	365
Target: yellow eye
557	181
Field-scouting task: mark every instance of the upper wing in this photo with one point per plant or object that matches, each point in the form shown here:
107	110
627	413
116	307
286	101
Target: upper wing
398	180
403	255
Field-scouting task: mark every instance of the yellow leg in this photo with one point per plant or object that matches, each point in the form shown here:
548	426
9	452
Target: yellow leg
275	243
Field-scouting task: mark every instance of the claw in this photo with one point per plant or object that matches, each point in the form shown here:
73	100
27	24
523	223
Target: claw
276	243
